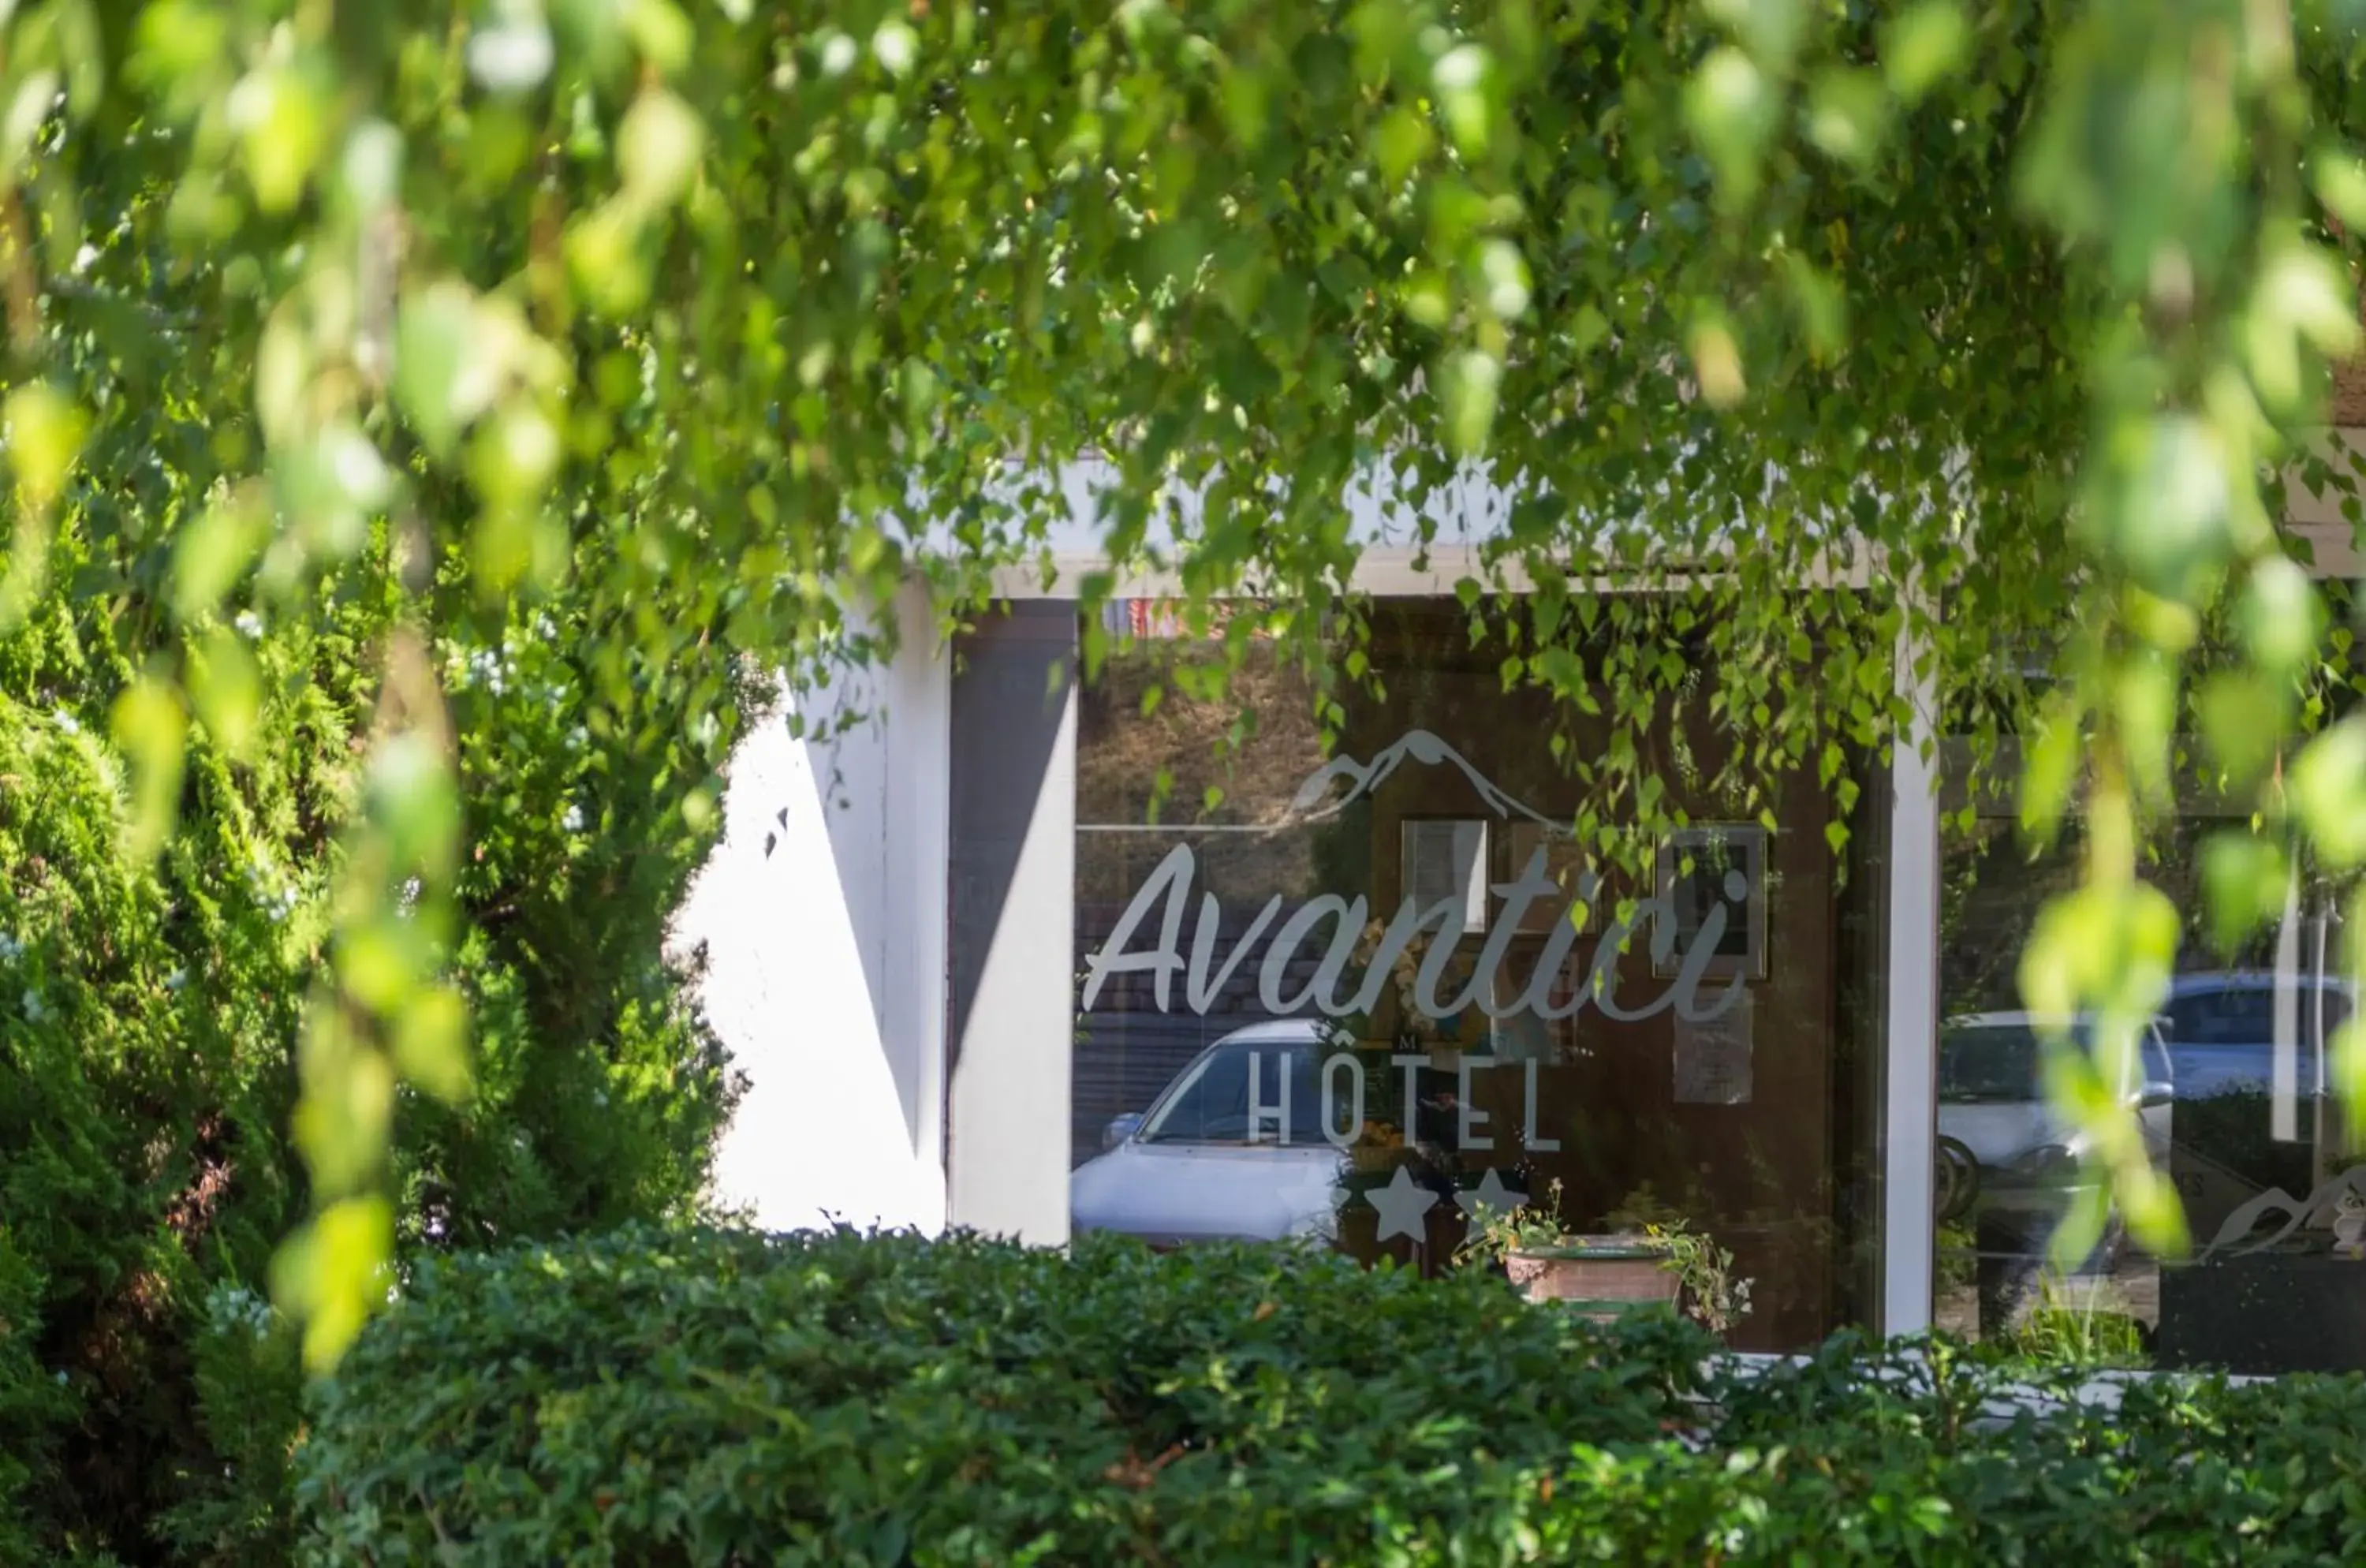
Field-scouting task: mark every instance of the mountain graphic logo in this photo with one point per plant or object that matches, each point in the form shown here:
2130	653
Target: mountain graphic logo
1315	801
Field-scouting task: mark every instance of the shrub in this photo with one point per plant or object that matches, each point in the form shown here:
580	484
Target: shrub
248	1379
149	1012
702	1397
718	1397
121	1106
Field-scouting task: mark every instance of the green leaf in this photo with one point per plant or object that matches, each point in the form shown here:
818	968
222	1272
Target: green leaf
2071	940
43	430
283	126
2149	1202
1848	114
2245	877
2050	771
1716	359
515	455
2328	788
441	378
1465	82
659	30
2349	1063
2145	708
1770	28
895	46
381	959
1468	383
1504	276
1731	108
431	1043
1400	144
2338	177
2302	288
2282	615
658	148
213	553
511	51
2169	525
1588	327
333	1274
1925	43
27	108
2242	716
606	259
2083	1219
150	727
1823	308
372	167
227	691
411	797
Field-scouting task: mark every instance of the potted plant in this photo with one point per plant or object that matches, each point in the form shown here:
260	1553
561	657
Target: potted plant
1704	1272
1661	1259
1598	1275
1707	1289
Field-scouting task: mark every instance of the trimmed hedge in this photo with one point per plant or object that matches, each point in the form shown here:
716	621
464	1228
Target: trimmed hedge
723	1398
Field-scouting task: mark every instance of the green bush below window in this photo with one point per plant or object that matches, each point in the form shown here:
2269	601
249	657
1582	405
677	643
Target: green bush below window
715	1397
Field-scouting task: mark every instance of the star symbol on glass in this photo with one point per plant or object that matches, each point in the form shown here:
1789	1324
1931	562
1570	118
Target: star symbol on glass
1489	1198
1402	1203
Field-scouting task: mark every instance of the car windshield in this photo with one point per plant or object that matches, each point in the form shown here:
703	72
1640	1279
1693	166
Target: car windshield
2000	1063
2244	1014
1989	1063
1211	1104
2225	1033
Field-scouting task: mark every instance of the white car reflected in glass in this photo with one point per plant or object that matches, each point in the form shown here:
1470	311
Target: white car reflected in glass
1992	1098
1210	1160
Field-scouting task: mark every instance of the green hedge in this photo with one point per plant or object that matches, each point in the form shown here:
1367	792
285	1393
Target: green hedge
722	1398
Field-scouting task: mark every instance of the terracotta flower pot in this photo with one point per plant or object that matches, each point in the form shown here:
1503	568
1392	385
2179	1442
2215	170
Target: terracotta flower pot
1599	1276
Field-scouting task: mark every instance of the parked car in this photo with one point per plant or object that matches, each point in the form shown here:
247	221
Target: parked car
1189	1169
2221	1029
1992	1100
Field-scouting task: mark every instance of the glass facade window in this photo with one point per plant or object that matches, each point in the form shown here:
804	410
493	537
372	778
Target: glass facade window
1347	992
2230	1094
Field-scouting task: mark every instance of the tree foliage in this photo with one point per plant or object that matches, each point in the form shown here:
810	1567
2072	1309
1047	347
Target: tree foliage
1883	338
150	1008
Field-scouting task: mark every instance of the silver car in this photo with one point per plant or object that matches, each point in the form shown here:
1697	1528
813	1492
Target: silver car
1992	1100
1195	1167
2223	1030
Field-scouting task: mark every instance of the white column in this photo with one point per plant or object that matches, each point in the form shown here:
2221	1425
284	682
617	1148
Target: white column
1012	1031
820	918
1909	1078
919	872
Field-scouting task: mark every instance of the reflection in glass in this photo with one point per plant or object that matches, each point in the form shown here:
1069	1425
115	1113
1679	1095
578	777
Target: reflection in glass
1246	1091
2230	1095
1352	987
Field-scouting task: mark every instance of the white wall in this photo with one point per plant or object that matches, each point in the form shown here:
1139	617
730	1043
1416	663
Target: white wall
823	912
1014	871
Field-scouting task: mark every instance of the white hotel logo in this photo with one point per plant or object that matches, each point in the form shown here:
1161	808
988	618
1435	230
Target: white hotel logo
1339	924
